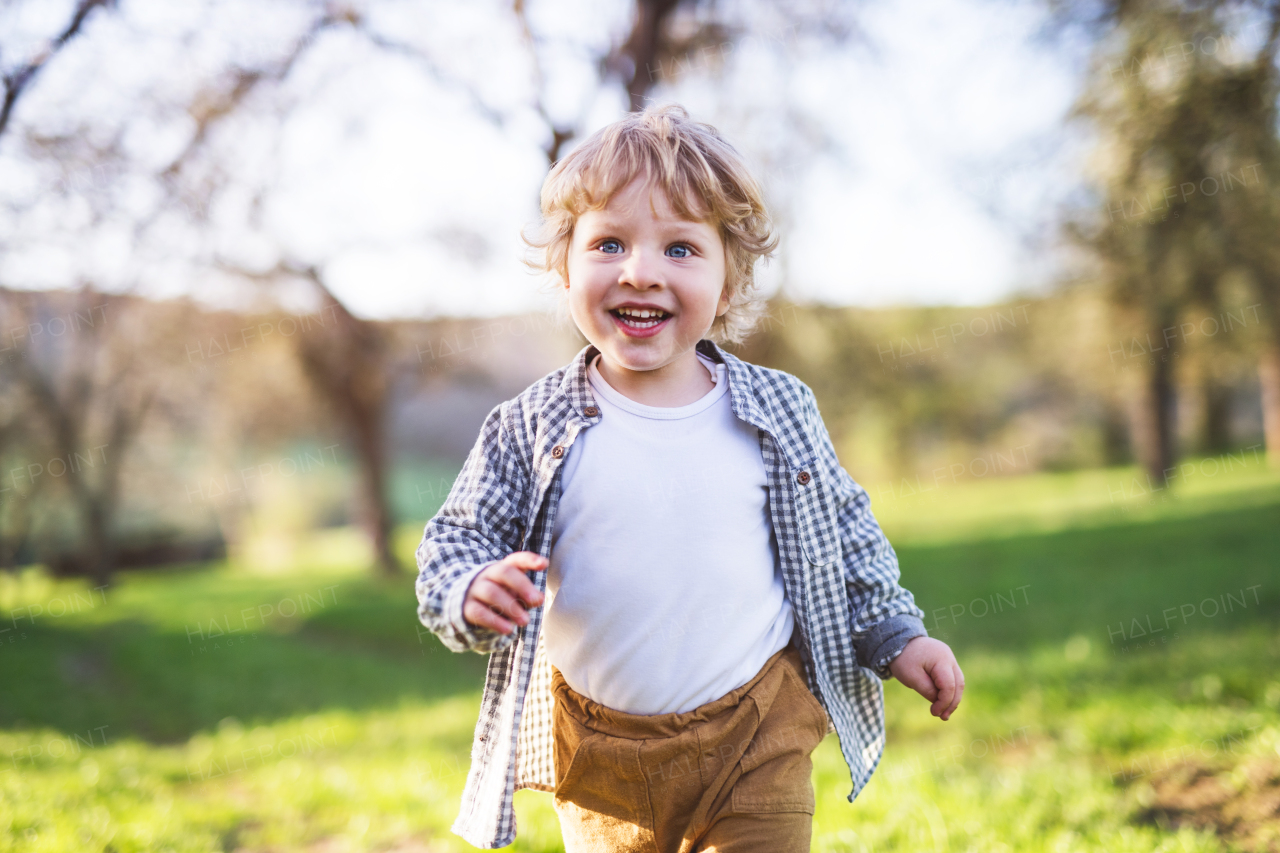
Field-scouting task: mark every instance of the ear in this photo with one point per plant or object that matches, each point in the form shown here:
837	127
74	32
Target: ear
723	305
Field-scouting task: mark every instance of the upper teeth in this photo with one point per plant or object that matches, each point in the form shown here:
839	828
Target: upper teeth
642	313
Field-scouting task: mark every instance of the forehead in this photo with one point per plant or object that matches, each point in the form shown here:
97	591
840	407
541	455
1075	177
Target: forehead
647	198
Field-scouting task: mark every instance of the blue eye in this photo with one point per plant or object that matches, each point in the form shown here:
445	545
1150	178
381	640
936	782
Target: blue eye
611	247
680	248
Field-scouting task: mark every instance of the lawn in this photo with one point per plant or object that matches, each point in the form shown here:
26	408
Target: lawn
1120	647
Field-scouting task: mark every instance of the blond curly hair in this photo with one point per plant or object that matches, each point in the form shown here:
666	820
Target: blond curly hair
705	178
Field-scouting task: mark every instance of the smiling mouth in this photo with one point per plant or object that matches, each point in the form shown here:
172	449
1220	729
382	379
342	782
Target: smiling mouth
634	319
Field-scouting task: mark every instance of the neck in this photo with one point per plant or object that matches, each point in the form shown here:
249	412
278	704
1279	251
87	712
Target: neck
676	383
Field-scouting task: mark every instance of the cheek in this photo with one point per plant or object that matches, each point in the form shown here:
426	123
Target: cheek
578	275
581	273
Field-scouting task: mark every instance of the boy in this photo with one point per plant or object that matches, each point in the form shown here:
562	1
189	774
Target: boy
718	594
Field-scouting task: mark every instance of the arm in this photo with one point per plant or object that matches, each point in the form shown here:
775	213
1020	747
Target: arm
479	524
883	615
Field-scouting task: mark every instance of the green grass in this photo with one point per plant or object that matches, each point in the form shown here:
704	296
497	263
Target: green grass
215	708
940	510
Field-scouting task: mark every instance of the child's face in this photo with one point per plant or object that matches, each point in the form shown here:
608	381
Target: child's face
628	254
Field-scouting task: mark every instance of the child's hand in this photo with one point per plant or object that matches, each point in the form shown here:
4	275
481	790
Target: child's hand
499	590
928	667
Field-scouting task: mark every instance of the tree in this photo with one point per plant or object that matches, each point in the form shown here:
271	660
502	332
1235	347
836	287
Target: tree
1174	156
82	369
1253	216
353	365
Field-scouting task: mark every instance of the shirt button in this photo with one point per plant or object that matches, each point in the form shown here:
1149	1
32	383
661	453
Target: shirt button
803	478
591	411
557	451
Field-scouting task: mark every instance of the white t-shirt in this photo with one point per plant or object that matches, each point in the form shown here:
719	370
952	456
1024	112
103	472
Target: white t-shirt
664	585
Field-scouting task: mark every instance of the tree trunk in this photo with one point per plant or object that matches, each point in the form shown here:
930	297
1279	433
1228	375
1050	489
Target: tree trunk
100	546
1154	416
376	515
1116	441
1269	379
643	48
351	367
1215	422
15	537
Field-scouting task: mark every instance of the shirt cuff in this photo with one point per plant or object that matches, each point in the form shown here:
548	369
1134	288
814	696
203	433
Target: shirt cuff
453	606
885	641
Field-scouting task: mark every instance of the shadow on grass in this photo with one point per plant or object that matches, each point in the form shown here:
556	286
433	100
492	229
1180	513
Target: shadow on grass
1112	585
135	665
149	679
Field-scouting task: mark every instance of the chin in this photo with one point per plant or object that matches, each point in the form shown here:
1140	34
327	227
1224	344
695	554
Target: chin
630	361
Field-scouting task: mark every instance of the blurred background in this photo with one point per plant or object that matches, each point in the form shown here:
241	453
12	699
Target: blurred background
261	280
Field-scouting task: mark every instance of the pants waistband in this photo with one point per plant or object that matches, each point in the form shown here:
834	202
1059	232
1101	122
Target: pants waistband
610	721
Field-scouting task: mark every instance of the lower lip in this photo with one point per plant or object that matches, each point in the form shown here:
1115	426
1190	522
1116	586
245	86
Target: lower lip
632	331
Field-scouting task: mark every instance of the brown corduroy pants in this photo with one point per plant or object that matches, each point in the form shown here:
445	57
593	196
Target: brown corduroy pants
733	774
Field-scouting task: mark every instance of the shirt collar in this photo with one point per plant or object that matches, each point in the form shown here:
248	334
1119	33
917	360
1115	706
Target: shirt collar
575	388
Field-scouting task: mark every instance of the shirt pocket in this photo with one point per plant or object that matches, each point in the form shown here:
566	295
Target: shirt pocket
816	512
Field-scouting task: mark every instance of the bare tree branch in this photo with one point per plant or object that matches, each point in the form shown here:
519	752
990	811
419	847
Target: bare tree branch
437	72
642	48
217	105
16	81
560	134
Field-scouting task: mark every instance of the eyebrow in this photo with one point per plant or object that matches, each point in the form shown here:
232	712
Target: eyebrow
679	225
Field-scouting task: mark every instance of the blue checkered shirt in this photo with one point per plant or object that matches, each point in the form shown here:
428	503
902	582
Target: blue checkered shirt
839	572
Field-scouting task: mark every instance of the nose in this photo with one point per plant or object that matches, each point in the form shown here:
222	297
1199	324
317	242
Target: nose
641	269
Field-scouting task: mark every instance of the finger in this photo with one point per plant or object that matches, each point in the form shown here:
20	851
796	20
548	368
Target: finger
479	615
917	678
527	560
955	703
497	597
517	583
945	678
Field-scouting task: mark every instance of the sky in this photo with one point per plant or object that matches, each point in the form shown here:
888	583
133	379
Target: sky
943	154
